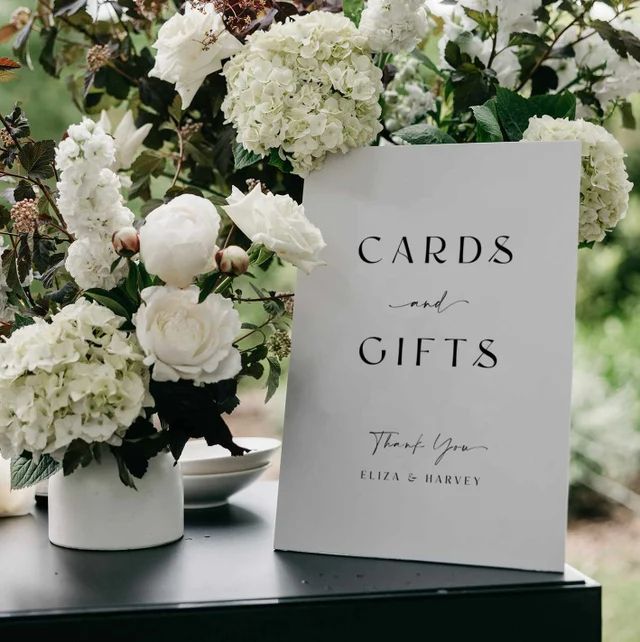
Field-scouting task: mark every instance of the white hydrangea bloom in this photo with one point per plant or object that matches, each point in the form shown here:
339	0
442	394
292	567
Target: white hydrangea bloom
278	223
407	97
604	188
394	27
190	47
306	88
90	199
77	377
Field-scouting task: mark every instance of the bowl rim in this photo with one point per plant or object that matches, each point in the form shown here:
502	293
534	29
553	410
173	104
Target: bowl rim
278	444
232	473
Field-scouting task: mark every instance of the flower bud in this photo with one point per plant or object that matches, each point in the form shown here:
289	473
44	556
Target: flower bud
232	260
126	241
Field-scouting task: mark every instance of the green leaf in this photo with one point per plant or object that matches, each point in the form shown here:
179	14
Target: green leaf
488	125
38	158
23	191
525	38
115	264
243	157
514	113
21	321
284	165
472	85
273	379
208	285
353	10
66	294
25	472
67	7
131	283
109	300
175	109
632	44
47	59
23	260
423	135
148	163
18	124
78	454
554	105
544	81
123	471
609	33
628	119
13	281
427	62
452	54
43	252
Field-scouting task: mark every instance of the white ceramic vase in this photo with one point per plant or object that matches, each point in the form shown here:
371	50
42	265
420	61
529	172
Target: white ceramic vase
93	510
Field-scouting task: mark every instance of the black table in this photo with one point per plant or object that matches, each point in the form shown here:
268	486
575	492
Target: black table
223	582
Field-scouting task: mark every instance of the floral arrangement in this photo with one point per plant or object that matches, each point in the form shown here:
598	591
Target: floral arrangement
111	318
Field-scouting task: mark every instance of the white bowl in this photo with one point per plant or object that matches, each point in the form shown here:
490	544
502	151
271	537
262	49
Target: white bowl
199	459
208	491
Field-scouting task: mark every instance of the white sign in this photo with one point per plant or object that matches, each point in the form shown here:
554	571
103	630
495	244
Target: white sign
428	406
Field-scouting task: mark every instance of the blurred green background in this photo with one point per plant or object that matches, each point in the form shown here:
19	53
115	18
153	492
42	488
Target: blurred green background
604	532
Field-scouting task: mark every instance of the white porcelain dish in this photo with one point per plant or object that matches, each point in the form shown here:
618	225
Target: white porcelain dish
200	459
209	491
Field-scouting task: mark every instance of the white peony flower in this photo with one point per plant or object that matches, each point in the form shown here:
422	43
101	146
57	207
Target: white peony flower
89	260
604	189
305	88
78	377
394	27
407	97
190	47
128	138
178	240
278	223
184	339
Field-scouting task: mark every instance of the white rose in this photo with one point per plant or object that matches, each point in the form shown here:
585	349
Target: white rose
184	339
178	240
190	47
278	223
